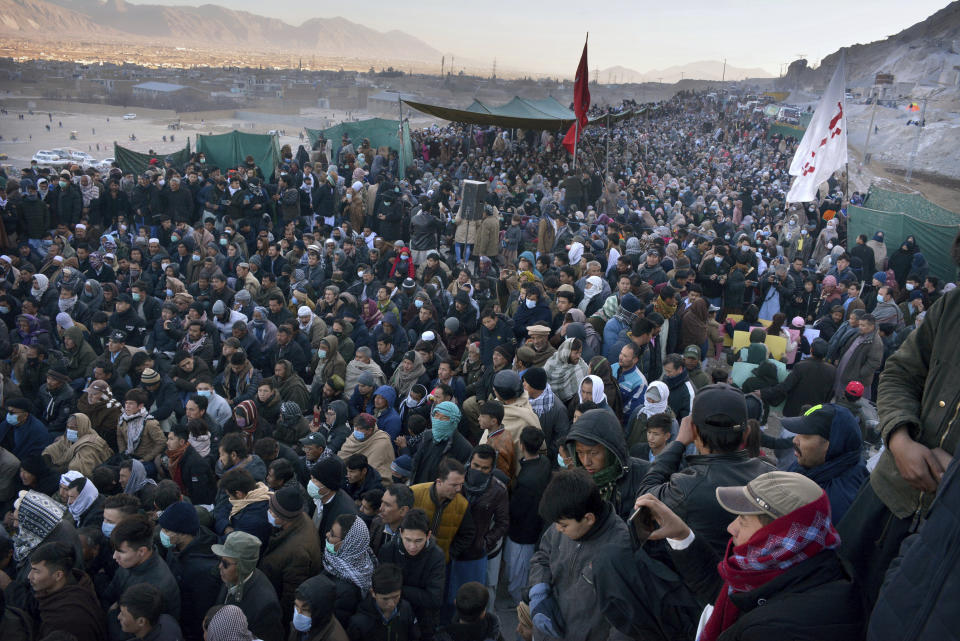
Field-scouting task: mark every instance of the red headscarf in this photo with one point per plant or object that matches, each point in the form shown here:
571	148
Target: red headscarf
411	270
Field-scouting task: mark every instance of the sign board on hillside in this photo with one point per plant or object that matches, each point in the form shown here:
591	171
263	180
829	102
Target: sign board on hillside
883	79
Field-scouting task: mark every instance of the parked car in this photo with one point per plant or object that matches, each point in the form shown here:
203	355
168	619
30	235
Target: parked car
46	158
129	116
104	165
82	157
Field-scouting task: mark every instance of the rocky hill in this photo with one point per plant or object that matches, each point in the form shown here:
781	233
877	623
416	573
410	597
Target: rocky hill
204	25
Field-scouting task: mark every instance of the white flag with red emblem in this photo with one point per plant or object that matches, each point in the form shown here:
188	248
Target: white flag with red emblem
823	148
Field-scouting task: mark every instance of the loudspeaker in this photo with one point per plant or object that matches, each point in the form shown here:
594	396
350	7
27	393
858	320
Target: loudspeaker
473	199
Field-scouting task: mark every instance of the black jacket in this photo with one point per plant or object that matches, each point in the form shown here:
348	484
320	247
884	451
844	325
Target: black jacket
525	522
260	604
430	453
368	624
810	382
425	230
691	493
423	578
814	600
602	427
199	482
195	569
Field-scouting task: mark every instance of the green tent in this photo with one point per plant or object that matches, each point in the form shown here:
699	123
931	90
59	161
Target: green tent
230	150
900	215
380	132
136	162
519	113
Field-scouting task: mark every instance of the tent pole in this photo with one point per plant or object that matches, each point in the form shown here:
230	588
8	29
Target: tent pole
606	164
400	136
576	141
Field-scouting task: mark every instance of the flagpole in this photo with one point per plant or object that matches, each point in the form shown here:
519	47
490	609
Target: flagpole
576	142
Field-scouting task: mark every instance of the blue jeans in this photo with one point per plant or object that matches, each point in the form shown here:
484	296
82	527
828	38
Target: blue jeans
458	250
463	572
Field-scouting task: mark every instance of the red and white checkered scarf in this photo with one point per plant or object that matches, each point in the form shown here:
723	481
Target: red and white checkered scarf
770	552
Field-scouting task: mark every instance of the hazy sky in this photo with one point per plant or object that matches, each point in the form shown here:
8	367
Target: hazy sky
548	36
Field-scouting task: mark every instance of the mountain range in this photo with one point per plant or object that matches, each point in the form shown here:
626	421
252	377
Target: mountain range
204	25
701	70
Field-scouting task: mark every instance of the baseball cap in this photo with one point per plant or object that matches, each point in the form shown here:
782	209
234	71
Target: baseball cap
314	438
118	336
854	388
692	351
775	494
816	421
719	407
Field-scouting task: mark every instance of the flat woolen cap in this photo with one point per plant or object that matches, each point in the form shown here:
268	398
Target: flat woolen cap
775	494
181	517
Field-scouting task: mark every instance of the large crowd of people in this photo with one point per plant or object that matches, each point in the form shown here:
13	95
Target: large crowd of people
636	396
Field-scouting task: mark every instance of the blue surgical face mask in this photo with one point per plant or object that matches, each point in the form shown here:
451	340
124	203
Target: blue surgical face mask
357	434
4	309
174	237
205	393
270	518
107	528
909	289
293	300
313	490
321	353
196	257
135	296
560	461
169	293
301	622
879	298
530	303
223	241
331	548
72	435
11	418
417	303
165	539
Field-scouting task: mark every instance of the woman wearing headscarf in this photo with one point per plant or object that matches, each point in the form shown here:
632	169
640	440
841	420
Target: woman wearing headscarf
693	324
348	561
92	295
600	366
592	298
29	332
245	420
565	369
826	240
137	479
830	295
410	372
80	448
654	402
590	389
228	623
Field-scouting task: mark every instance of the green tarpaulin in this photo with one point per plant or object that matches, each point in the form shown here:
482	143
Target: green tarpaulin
379	131
785	130
130	160
900	215
519	113
230	150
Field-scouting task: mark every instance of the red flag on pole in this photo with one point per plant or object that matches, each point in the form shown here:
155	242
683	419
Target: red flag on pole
581	102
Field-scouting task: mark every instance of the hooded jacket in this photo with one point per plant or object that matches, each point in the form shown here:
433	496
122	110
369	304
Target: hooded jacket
337	434
84	454
843	471
377	448
601	427
389	419
320	592
332	364
81	357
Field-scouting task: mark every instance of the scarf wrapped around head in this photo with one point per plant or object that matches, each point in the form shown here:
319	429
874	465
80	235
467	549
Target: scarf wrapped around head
85	499
353	562
403	380
770	552
443	430
229	624
138	478
565	377
37	516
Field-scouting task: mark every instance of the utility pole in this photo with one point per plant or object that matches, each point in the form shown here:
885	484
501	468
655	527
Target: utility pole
723	75
494	76
873	114
916	142
443	62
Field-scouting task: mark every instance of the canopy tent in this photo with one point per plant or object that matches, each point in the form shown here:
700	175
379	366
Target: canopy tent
379	131
900	215
519	113
230	150
136	162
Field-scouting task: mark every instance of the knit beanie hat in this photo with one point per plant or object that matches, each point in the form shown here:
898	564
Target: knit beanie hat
329	471
536	377
286	502
181	517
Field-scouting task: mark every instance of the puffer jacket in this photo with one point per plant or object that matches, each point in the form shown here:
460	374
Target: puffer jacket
918	598
601	427
691	493
918	388
567	567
